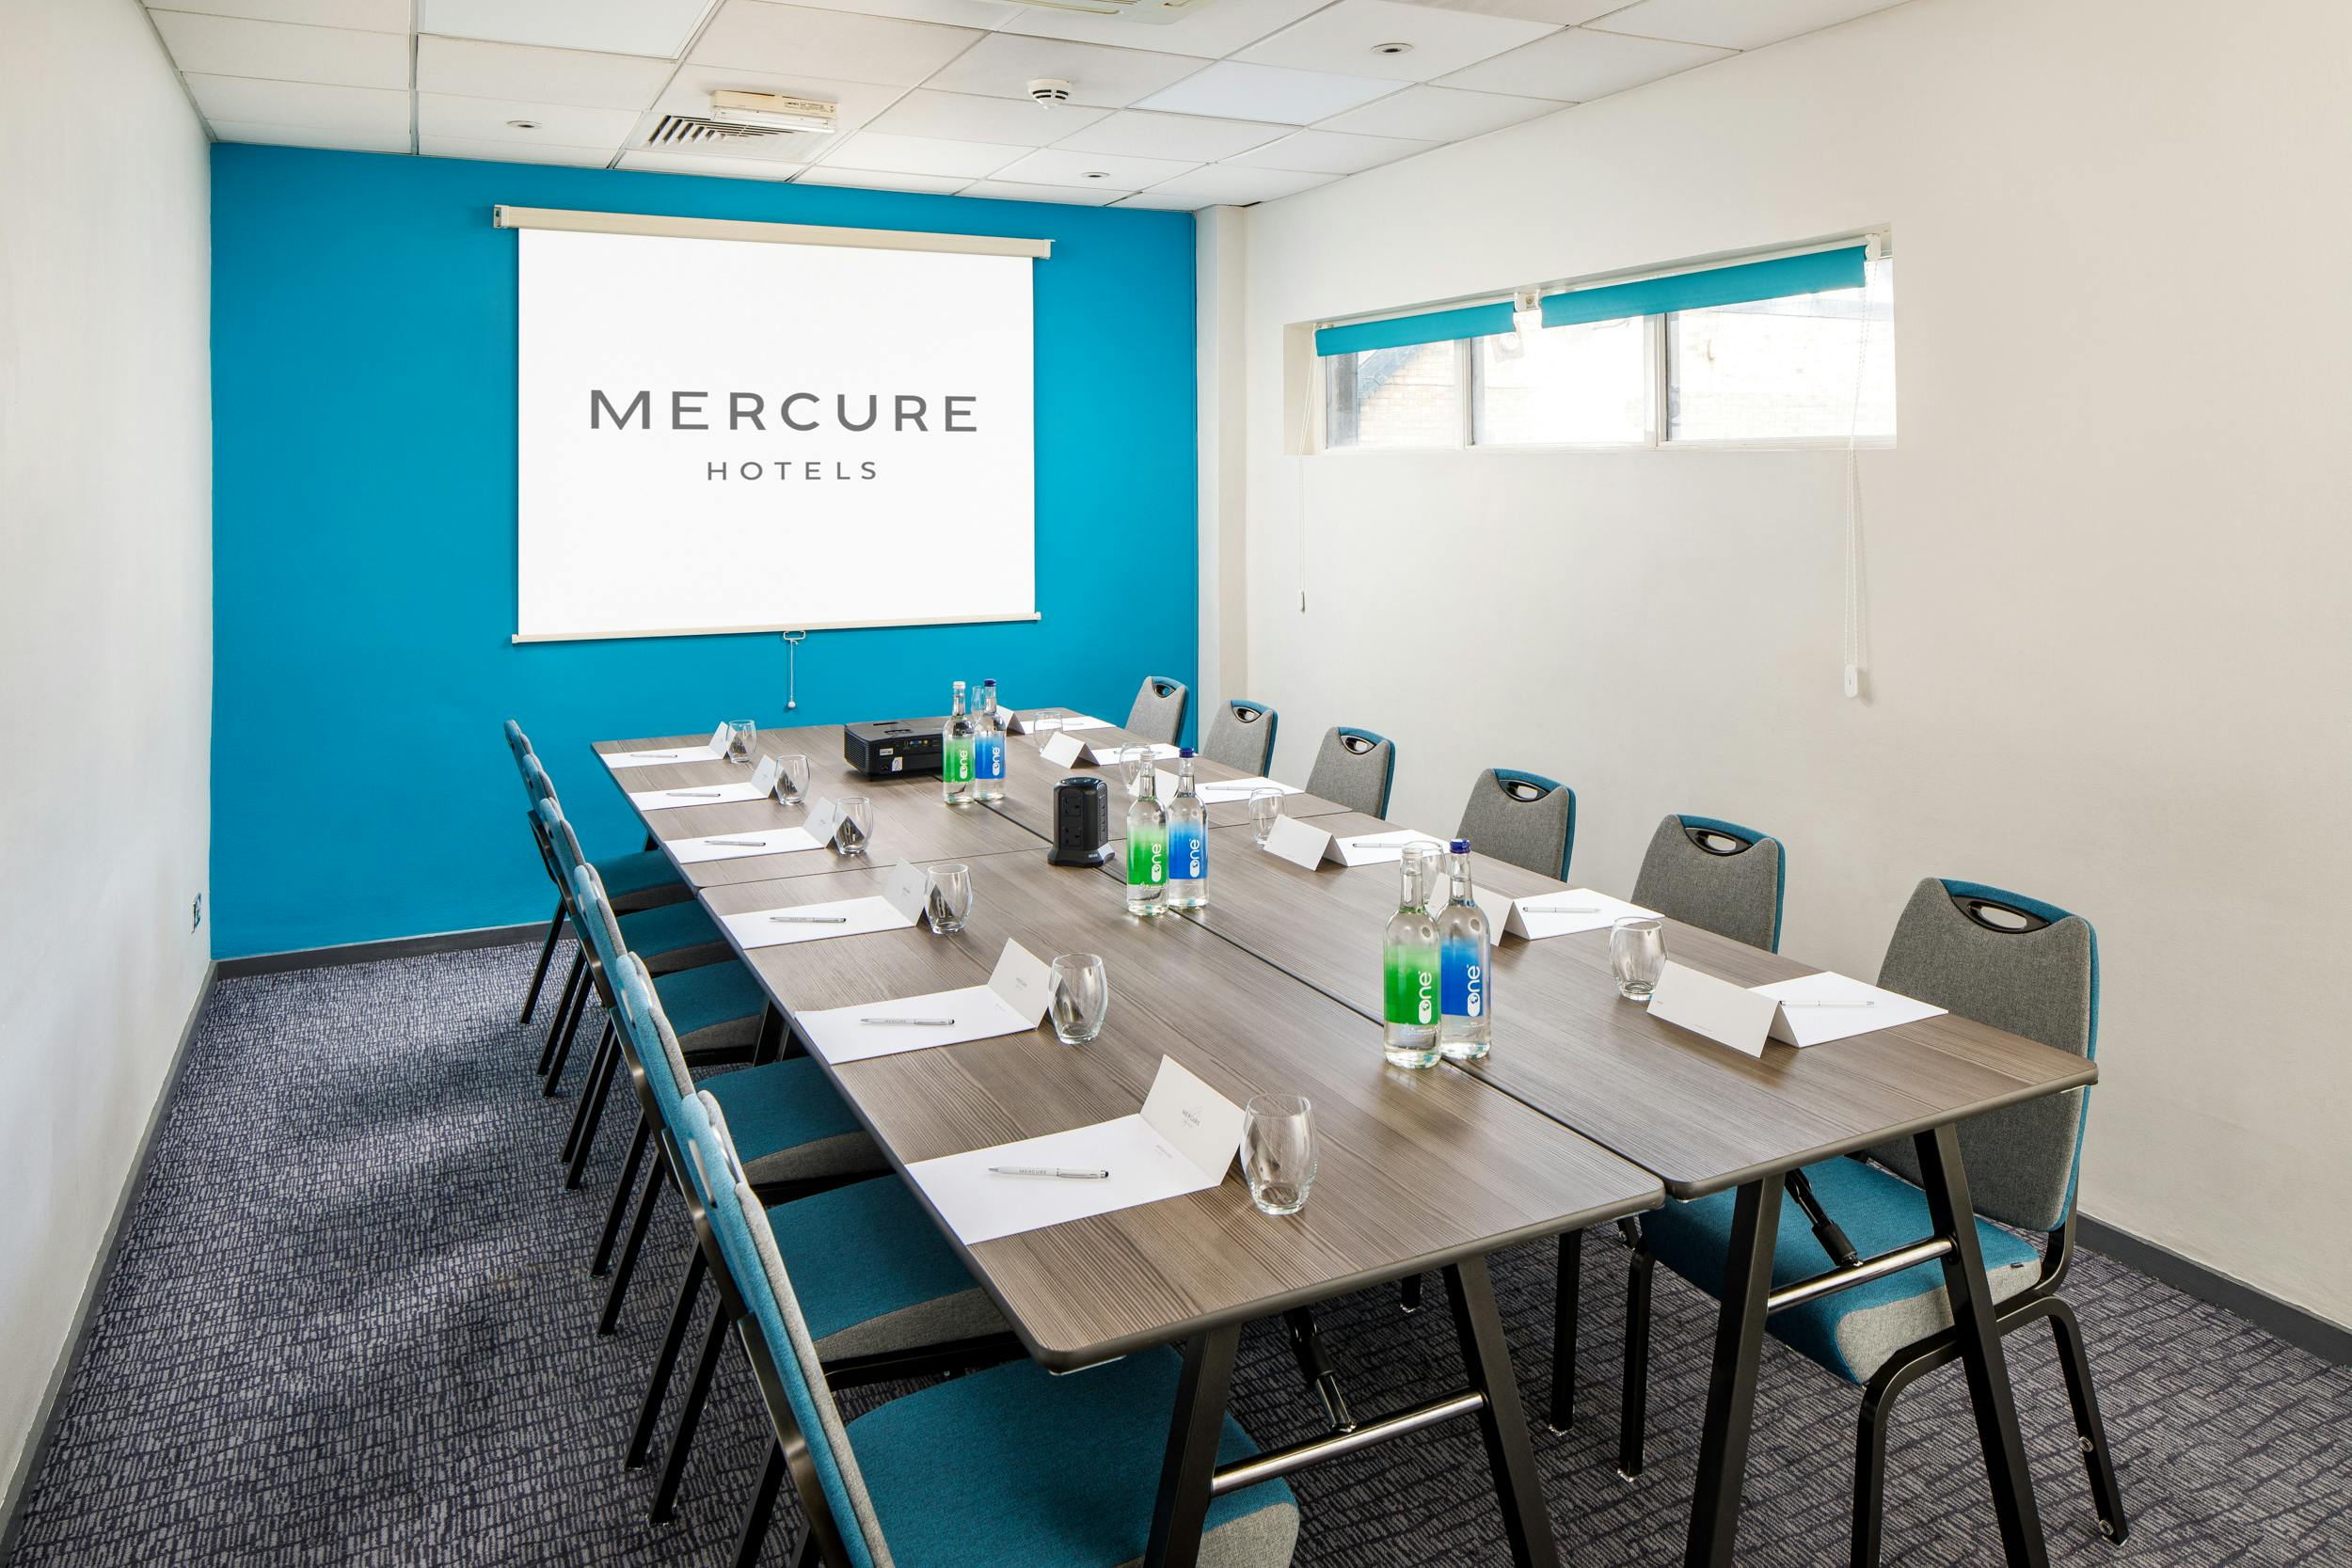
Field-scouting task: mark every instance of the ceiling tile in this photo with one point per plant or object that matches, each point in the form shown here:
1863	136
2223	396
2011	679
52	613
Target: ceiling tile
955	13
966	117
1348	36
870	180
688	163
1163	203
1239	91
1578	65
1229	185
1564	13
1010	190
656	27
1438	114
1004	64
1212	32
1140	133
1330	152
876	150
379	16
476	70
855	47
450	116
689	92
513	153
325	109
281	52
1059	167
304	135
1735	23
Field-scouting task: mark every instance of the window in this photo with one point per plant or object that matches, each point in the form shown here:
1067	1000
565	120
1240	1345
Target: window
1582	385
1393	397
1784	370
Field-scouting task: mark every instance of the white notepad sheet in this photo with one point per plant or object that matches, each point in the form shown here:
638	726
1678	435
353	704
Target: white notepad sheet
696	795
1231	790
664	756
1013	1003
730	847
1557	914
1859	1008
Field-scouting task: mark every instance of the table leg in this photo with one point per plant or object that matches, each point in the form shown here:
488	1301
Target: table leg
1731	1386
1945	1178
1486	1356
1183	1506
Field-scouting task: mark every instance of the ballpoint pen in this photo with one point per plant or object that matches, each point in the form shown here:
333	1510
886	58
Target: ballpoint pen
653	753
925	1023
1829	1003
810	919
699	793
1050	1170
1561	909
739	843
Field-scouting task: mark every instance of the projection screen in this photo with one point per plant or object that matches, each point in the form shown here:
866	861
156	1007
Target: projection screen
719	435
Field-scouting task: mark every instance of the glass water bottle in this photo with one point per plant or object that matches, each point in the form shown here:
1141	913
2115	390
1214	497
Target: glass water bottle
1408	1030
1147	849
1188	841
988	747
955	753
1464	966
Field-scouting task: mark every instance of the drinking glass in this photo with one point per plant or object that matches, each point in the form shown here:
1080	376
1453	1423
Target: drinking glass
792	780
1637	951
1081	995
743	740
1133	760
856	827
1279	1154
947	899
1265	807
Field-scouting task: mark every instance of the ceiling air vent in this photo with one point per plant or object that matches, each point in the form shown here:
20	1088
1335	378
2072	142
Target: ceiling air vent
1129	10
736	117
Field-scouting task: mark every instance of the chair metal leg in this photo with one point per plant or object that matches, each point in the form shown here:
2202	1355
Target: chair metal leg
1633	1404
600	1264
806	1555
618	1291
1870	1475
762	1511
539	973
1409	1294
562	1010
1567	1282
605	1067
1181	1506
665	1360
568	1028
697	1394
1486	1355
1731	1385
2089	1431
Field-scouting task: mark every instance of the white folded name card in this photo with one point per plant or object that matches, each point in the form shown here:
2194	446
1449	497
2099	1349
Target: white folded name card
1303	844
824	815
1109	750
764	776
907	890
1063	750
1556	915
1725	1013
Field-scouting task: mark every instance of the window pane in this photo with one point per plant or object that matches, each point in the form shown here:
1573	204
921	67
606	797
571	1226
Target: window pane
1392	397
1583	384
1785	368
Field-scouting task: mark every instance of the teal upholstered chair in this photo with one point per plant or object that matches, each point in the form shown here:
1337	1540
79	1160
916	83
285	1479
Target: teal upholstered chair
1242	736
1354	768
1716	875
1522	817
1008	1468
1158	713
2004	960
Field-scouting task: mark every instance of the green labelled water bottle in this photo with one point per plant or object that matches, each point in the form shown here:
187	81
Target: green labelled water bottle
1147	848
955	753
1409	1029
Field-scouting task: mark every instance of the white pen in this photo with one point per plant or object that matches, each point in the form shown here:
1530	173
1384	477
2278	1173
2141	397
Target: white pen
1050	1170
699	793
810	919
1561	909
653	753
924	1022
1829	1003
739	843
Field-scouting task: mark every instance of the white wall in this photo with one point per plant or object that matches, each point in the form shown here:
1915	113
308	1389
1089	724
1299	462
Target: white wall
105	644
2107	562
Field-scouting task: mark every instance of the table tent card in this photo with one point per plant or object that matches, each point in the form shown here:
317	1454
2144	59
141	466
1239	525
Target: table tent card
1302	844
1232	791
1063	750
1184	1141
1725	1013
1105	754
1013	1003
714	750
1554	914
898	906
697	795
1818	1008
764	775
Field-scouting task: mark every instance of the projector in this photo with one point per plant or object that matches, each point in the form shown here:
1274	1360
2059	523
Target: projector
894	748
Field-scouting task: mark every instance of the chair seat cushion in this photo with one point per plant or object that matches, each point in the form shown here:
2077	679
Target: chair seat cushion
715	1011
1015	1467
789	1125
675	937
875	1274
1855	1332
641	879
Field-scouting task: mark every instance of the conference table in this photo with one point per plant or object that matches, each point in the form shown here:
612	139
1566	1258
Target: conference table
1587	1111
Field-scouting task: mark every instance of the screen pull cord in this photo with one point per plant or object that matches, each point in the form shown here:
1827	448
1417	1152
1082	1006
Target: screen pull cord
792	640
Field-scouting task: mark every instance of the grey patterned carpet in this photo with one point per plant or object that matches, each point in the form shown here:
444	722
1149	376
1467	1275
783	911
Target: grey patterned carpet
351	1324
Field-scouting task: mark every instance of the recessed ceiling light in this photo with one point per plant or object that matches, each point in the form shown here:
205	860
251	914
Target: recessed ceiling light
524	125
1096	174
1392	48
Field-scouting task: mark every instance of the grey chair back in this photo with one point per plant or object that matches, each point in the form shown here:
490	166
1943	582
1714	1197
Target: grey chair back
1354	768
1159	710
1242	736
1718	876
1522	817
2032	969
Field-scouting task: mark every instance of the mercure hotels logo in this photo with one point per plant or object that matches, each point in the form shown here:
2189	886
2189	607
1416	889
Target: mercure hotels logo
838	420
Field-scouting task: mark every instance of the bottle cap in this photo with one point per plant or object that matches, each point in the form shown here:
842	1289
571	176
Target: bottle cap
1183	750
1461	847
989	682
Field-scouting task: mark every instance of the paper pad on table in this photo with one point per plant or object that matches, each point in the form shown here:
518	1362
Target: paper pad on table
1107	753
1799	1025
710	750
1013	1003
696	795
894	909
1228	791
1555	914
1182	1142
729	846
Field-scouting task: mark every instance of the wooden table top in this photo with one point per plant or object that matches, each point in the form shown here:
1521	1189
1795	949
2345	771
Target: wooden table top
1029	781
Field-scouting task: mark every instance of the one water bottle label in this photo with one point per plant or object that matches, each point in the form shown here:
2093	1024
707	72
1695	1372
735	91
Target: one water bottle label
1147	859
1411	991
959	762
1463	991
1188	852
992	756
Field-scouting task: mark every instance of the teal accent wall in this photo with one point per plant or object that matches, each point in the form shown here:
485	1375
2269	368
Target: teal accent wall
364	532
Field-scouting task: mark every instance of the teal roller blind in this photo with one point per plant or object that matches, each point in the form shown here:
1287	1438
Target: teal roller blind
1734	285
1430	326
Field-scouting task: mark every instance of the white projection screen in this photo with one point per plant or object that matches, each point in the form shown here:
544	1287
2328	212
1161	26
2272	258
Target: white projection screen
729	435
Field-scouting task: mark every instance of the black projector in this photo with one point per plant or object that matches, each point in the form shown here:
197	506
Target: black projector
894	748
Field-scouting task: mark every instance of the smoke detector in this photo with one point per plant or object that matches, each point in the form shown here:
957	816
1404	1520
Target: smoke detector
762	112
1050	89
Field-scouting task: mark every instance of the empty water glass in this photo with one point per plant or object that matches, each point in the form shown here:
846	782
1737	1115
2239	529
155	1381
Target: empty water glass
1279	1154
855	830
1080	997
947	899
1265	807
743	740
792	780
1133	760
1637	952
